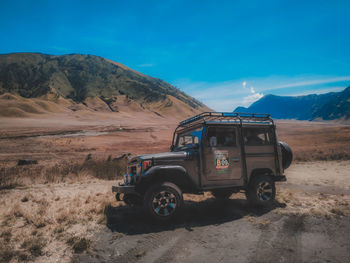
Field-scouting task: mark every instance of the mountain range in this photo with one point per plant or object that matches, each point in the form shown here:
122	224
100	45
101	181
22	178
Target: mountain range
328	106
35	83
29	81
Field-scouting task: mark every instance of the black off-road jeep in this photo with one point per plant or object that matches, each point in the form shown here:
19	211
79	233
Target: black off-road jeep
219	152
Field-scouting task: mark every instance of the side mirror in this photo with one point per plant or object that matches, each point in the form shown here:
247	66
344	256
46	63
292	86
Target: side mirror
172	147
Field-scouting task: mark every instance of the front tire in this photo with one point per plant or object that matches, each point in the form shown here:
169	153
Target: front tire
163	202
261	190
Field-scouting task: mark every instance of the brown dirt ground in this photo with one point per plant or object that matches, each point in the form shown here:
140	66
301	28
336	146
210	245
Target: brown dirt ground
49	222
55	137
75	218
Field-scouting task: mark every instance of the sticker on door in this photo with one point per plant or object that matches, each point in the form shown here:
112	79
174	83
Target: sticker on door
222	161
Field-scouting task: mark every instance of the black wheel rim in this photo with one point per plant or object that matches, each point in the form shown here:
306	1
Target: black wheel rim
164	203
264	191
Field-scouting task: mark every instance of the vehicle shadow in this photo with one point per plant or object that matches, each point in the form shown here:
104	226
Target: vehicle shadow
133	220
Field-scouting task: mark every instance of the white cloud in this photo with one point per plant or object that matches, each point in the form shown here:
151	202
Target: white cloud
317	91
314	82
252	98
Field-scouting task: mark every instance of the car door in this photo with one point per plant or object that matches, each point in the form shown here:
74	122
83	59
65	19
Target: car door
259	148
221	155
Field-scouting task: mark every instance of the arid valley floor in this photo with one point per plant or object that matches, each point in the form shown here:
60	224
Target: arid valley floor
62	208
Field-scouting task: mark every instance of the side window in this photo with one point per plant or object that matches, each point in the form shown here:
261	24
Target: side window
188	138
257	136
221	137
183	140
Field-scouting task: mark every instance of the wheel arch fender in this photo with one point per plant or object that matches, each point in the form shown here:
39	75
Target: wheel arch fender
260	171
176	174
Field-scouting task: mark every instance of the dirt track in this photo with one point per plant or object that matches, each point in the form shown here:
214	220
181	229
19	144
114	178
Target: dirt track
306	228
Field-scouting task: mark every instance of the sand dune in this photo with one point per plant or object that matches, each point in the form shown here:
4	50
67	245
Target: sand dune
18	107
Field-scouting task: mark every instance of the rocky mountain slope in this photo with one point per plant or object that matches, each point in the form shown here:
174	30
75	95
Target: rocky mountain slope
329	106
86	82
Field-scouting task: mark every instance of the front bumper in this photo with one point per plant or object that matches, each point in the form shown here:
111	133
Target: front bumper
126	193
123	189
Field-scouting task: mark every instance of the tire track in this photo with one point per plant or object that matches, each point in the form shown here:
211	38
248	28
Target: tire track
182	244
144	245
285	243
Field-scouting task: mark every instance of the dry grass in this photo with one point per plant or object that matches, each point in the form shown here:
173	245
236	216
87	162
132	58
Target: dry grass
78	244
260	222
110	169
316	142
65	171
46	209
312	204
53	219
34	246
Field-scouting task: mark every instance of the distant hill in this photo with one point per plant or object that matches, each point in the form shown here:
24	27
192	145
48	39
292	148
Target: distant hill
89	82
329	106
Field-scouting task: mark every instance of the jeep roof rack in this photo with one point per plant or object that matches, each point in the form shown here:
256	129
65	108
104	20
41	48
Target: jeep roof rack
228	117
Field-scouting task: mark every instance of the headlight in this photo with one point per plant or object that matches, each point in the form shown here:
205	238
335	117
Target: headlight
128	179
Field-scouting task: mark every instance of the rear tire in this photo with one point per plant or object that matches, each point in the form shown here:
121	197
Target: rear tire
261	190
163	202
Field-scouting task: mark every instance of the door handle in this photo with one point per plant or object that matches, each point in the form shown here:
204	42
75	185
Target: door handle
235	159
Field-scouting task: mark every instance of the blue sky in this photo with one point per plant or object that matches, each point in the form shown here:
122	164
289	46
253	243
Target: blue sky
225	53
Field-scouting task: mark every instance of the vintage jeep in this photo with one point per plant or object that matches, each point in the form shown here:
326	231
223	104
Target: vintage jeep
219	152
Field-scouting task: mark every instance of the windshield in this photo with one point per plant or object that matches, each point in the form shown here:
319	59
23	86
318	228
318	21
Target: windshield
189	138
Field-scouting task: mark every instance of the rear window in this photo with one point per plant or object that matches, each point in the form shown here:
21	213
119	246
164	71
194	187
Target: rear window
257	136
